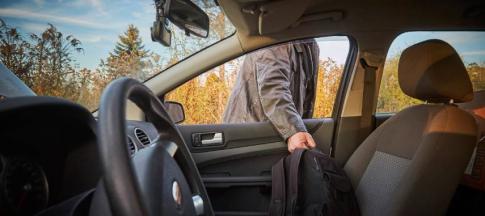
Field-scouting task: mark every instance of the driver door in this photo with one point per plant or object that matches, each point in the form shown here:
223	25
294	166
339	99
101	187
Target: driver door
235	160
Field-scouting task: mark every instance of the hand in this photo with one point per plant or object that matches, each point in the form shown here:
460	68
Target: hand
300	140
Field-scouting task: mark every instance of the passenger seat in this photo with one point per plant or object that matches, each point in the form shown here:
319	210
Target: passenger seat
413	162
475	172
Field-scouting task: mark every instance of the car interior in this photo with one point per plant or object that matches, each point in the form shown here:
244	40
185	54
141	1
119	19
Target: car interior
127	157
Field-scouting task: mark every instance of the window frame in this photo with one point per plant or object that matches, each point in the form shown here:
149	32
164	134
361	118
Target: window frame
345	79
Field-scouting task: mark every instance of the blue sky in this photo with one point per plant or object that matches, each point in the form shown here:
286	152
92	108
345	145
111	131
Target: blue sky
469	45
336	48
97	23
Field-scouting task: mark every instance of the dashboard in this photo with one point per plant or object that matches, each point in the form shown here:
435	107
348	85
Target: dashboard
48	152
25	187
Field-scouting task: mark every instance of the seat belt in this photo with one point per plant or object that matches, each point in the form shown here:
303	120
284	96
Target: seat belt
366	120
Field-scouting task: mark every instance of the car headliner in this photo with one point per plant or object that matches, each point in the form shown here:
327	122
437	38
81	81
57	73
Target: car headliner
374	22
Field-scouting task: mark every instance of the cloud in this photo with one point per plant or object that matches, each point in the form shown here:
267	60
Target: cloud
33	27
92	39
95	38
97	5
136	14
458	38
473	53
26	14
39	2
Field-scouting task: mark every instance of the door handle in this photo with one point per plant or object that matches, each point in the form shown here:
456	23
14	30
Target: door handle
207	139
215	140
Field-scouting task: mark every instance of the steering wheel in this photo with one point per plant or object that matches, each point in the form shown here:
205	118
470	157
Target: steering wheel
161	179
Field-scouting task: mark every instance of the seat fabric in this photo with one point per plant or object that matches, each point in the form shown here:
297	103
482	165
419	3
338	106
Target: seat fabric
412	163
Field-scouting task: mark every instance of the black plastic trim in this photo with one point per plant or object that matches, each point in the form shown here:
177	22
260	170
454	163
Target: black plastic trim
224	182
344	86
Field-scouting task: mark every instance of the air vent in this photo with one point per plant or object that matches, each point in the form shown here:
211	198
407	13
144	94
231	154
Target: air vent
131	146
142	136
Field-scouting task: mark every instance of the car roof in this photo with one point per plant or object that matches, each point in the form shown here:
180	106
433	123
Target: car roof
364	15
370	20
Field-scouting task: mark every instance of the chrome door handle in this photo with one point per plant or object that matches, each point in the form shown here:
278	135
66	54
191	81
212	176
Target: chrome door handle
207	139
215	140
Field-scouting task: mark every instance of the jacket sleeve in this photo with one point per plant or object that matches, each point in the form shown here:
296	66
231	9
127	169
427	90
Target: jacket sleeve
273	77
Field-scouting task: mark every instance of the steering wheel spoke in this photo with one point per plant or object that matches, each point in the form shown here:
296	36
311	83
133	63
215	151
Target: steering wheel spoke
159	180
169	146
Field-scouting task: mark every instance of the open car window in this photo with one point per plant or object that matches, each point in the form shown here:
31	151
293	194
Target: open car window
209	97
469	45
73	49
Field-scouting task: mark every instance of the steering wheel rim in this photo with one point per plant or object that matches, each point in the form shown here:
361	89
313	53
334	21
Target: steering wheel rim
125	193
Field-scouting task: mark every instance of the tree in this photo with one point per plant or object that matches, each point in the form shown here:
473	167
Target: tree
391	98
44	62
14	52
477	75
328	82
130	44
53	66
128	56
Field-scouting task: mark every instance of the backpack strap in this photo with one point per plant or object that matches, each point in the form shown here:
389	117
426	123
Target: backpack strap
278	189
295	158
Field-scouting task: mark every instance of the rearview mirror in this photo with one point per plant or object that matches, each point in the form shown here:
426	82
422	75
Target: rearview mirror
175	110
189	17
182	13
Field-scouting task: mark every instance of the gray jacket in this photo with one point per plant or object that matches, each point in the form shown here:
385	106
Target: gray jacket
276	84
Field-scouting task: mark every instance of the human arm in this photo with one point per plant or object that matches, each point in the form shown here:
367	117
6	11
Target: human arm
274	74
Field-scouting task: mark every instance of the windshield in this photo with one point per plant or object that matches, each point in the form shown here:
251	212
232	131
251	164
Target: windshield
73	49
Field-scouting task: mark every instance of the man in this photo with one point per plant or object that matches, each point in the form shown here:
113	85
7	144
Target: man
278	84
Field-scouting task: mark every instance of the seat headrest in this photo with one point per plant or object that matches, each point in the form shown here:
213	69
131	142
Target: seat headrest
432	71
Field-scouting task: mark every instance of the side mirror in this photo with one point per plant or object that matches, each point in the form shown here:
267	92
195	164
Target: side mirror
182	13
175	111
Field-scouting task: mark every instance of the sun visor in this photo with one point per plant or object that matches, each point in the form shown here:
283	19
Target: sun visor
279	15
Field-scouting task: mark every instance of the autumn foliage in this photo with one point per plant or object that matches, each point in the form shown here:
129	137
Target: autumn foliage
45	63
205	97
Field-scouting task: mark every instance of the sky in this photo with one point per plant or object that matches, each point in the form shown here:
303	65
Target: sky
336	48
97	24
469	45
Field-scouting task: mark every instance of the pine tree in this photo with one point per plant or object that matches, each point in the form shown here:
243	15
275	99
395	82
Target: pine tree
128	56
130	44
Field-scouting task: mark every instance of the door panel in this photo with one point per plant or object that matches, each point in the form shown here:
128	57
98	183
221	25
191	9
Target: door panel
237	173
249	134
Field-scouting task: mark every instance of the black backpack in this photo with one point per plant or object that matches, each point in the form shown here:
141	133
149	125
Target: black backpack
308	182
